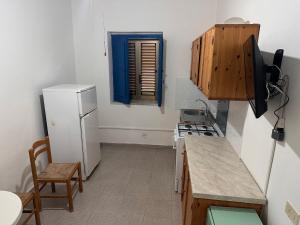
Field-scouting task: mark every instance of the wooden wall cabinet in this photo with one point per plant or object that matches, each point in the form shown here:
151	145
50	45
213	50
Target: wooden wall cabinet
217	65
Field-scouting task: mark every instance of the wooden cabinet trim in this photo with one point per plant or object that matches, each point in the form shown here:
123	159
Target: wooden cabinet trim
201	61
245	25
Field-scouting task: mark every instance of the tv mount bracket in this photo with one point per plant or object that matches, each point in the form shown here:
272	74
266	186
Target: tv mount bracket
274	69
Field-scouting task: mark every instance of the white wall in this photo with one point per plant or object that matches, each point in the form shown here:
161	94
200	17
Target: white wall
36	51
279	29
180	22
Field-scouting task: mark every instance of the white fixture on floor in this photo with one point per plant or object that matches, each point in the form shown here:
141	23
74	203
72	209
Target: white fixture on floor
10	208
71	113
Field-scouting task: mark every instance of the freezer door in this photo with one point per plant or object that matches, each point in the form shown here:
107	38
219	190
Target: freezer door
90	143
87	101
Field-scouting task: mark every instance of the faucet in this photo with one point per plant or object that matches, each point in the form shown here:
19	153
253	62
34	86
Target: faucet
204	103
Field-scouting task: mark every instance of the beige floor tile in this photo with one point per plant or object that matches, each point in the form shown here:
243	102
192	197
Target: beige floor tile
159	209
133	185
134	205
176	212
156	221
128	219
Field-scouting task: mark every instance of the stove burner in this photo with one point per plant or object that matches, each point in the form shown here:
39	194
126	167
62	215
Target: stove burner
208	133
200	129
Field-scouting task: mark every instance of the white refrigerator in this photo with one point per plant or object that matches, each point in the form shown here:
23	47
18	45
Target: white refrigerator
71	113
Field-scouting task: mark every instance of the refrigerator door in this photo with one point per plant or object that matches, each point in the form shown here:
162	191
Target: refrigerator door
90	143
87	100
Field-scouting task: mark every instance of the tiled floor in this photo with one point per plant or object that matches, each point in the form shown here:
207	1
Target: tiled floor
132	186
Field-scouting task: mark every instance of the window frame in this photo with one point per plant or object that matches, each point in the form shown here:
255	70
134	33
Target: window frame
145	36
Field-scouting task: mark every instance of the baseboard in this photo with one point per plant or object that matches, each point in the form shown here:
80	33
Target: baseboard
134	135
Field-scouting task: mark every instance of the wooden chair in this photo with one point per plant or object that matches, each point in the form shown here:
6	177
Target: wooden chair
54	173
26	198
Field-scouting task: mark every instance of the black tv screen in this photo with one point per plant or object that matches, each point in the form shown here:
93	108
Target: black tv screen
255	77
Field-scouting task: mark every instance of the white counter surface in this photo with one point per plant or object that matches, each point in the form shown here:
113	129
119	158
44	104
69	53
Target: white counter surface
216	171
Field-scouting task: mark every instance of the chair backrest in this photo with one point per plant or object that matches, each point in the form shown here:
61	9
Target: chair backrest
39	147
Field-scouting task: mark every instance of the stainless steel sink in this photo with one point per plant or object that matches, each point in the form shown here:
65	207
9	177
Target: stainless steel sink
194	115
192	112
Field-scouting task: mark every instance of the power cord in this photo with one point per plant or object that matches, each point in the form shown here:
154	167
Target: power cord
286	100
280	88
104	34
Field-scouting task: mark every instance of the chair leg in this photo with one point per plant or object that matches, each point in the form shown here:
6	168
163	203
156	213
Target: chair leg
36	210
38	197
69	192
53	187
80	178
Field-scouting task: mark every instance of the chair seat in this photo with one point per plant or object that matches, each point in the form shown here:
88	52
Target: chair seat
58	172
25	197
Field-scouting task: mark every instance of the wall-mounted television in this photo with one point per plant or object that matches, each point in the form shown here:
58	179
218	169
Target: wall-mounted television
255	77
258	74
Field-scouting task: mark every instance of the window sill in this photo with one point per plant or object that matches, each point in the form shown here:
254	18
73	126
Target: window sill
137	102
143	102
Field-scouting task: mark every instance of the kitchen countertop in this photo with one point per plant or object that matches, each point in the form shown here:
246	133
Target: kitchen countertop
216	172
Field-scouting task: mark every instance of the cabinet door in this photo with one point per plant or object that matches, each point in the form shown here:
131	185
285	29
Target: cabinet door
208	45
183	175
185	187
195	60
189	203
227	74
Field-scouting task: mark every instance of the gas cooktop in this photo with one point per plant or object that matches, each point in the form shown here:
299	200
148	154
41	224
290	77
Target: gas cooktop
198	129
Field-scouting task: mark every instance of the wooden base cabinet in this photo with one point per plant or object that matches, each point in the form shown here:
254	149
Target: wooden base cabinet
217	65
194	210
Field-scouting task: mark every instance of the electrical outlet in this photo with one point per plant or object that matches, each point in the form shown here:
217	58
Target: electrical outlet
292	214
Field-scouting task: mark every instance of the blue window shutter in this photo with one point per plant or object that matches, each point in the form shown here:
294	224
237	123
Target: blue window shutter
120	68
160	72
